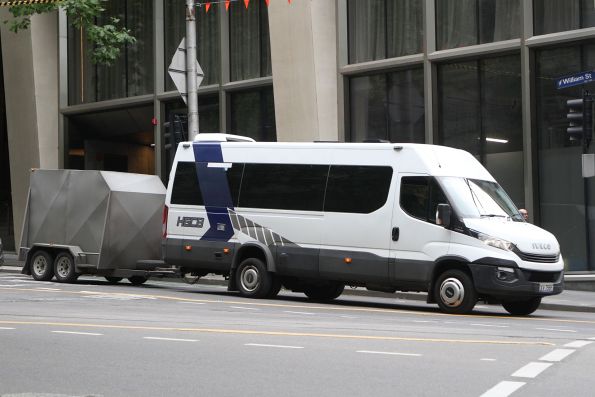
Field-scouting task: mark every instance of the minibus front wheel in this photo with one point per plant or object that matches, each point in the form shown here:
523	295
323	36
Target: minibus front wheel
454	292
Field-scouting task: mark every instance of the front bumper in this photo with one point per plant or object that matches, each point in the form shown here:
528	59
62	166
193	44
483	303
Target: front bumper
494	282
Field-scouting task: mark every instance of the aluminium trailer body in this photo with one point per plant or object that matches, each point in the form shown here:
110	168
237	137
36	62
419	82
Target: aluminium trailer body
91	222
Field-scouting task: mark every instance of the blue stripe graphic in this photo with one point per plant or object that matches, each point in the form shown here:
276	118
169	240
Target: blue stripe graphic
214	189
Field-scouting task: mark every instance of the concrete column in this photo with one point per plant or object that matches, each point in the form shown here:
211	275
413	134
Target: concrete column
31	89
304	61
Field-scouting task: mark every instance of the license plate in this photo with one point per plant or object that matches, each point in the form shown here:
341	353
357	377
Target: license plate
546	287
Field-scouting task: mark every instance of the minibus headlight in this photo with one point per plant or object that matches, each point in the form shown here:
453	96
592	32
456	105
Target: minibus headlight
495	242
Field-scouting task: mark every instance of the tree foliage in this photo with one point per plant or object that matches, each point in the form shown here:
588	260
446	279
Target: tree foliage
106	39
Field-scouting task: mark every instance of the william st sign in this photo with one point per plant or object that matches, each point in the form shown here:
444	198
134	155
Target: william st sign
575	79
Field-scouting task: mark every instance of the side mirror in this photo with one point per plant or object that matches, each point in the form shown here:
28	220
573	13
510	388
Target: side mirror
443	213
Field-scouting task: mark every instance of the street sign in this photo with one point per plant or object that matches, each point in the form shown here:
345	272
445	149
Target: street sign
177	70
575	79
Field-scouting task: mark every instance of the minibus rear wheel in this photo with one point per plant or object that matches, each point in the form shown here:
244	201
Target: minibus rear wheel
325	292
253	279
454	292
523	307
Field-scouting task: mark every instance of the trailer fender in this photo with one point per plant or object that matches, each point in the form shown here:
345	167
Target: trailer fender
79	256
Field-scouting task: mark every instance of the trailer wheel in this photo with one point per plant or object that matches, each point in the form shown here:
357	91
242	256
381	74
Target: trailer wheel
137	280
113	280
324	292
253	279
42	266
522	308
64	268
454	292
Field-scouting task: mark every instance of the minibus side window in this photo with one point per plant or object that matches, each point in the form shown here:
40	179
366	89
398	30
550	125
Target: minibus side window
357	189
420	196
298	187
186	190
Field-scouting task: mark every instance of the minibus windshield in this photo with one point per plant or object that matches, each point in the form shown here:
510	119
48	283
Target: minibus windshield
474	198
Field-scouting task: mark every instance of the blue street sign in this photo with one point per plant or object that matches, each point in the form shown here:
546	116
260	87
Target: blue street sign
575	79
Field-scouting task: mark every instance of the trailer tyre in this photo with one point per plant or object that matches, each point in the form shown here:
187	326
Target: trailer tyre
253	280
113	280
324	292
137	280
522	308
64	268
454	292
42	267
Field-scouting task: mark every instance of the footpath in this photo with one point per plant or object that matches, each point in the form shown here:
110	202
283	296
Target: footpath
569	300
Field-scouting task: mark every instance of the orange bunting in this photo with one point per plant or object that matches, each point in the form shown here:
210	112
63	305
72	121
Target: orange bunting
207	6
246	2
227	5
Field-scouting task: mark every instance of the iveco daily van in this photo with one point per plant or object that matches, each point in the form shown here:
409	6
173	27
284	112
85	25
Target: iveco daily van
314	217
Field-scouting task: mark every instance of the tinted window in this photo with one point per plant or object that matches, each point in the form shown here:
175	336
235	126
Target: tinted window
234	178
357	189
420	196
284	186
186	189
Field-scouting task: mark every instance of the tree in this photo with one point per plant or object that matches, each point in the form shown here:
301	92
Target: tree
106	40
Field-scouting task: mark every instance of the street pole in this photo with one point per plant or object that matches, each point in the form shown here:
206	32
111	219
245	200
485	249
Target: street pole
191	70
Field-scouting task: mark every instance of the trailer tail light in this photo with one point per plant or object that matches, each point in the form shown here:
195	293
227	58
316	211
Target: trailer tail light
164	223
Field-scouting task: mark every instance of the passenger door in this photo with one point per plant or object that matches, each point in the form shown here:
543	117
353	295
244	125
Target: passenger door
417	241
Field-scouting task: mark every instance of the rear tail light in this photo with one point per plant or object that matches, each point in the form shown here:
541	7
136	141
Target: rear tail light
164	224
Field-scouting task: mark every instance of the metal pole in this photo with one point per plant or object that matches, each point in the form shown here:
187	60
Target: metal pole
191	70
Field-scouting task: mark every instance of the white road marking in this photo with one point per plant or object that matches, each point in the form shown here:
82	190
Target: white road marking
306	313
592	338
48	289
424	321
503	389
557	355
277	346
77	333
170	339
531	370
491	325
389	353
351	317
244	308
6	328
12	285
556	329
488	359
578	343
193	303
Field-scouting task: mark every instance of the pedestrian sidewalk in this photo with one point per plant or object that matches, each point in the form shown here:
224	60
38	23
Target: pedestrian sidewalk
569	300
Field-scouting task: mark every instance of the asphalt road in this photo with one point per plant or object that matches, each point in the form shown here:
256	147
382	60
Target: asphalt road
166	339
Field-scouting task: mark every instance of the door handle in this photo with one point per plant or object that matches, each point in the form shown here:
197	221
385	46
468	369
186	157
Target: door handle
395	234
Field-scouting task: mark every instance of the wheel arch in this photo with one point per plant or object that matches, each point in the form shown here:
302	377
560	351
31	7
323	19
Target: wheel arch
443	264
252	249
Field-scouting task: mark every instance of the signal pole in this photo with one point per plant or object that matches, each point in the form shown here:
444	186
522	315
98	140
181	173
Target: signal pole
191	84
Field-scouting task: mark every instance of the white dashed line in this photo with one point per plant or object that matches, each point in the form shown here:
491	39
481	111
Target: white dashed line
488	359
193	303
244	308
491	325
592	338
424	321
389	353
170	339
306	313
6	328
531	370
77	333
503	389
277	346
578	343
557	355
556	329
48	289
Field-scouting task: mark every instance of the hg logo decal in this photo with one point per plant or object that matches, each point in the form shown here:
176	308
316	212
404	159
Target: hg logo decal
189	221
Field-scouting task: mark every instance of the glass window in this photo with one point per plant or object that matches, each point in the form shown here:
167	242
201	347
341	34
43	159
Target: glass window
186	189
420	196
234	179
357	189
561	186
479	110
207	36
388	106
550	16
253	114
284	186
250	47
380	29
461	23
131	74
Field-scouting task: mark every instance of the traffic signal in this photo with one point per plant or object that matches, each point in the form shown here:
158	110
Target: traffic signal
174	133
580	115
